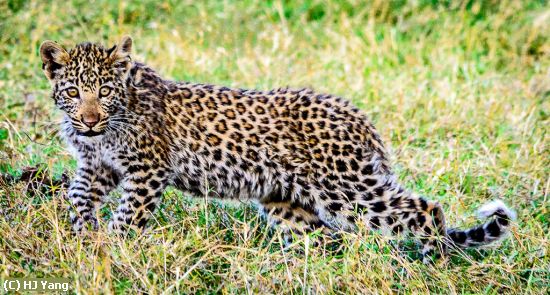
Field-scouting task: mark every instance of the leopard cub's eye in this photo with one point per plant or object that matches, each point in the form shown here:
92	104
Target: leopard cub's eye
104	91
72	92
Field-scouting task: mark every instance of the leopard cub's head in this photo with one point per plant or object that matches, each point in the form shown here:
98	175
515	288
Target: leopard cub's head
88	82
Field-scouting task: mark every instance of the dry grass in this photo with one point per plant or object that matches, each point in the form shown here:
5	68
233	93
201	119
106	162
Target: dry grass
459	91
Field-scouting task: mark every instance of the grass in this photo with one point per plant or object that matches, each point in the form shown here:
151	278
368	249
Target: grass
459	90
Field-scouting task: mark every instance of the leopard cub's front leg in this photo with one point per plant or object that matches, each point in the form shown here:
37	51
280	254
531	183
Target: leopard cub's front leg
87	192
141	191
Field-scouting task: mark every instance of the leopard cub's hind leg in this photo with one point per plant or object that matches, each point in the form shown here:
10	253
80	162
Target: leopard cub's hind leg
292	218
432	232
393	210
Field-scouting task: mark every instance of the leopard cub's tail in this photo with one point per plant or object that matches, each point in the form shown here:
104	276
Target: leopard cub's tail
494	229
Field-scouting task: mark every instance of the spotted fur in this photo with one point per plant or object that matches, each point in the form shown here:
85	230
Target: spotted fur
310	161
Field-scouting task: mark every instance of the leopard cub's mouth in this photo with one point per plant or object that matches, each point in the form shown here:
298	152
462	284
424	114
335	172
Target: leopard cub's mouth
90	133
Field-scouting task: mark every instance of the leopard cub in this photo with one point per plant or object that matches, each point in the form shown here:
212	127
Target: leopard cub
310	161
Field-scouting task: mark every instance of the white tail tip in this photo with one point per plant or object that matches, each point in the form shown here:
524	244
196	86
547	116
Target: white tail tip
489	209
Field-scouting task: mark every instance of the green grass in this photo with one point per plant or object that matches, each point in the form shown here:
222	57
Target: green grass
459	90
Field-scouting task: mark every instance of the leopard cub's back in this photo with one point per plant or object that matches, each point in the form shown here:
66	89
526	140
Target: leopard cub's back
246	144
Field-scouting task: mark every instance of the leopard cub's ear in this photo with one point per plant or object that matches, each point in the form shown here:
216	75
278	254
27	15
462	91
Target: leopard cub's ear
54	57
119	55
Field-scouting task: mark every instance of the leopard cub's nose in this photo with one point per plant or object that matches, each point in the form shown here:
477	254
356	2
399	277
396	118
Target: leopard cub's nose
90	120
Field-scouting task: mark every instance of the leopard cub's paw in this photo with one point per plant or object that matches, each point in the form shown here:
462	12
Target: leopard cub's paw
81	224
